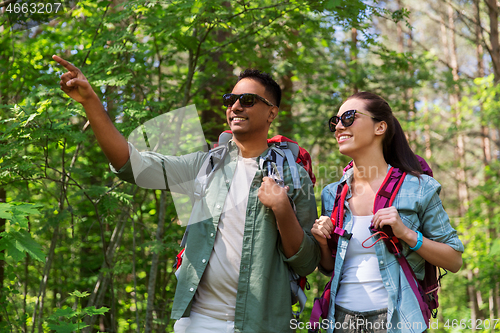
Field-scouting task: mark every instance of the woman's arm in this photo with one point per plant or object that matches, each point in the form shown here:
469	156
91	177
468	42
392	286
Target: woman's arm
438	254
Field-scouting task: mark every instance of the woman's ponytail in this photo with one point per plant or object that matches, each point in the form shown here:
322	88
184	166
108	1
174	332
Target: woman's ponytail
398	153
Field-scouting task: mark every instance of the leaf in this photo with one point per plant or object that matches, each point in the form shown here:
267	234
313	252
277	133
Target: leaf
5	211
91	310
17	212
66	327
495	248
331	4
79	294
66	312
17	243
10	246
30	118
28	208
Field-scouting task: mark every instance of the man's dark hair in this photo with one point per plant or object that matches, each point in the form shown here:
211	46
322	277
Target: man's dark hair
266	80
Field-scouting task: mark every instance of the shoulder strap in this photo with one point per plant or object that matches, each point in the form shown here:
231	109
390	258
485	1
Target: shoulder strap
212	163
384	198
389	189
337	217
281	151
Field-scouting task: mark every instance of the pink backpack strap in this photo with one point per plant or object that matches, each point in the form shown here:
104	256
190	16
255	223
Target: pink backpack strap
389	189
322	304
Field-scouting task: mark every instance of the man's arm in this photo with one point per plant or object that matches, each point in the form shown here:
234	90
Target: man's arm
299	248
111	141
275	197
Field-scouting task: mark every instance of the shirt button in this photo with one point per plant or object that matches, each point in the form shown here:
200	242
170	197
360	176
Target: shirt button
387	283
381	262
204	261
191	289
227	181
212	234
218	206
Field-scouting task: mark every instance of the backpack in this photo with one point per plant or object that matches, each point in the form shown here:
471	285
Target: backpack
426	290
281	149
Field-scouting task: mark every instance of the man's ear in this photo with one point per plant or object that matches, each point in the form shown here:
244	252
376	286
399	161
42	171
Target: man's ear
273	113
380	128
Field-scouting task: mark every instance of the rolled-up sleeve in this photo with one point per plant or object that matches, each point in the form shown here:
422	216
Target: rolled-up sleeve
156	171
308	256
435	222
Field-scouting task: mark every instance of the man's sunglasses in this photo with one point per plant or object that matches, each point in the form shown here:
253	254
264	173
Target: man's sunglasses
347	118
246	100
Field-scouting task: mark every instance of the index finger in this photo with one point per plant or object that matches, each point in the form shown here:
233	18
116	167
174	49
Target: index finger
64	63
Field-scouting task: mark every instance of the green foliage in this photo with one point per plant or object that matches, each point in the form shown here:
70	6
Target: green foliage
16	240
67	320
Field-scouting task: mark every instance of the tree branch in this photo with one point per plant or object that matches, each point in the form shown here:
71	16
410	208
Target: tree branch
441	60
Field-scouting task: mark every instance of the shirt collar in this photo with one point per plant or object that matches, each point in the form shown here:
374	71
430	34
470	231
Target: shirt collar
347	176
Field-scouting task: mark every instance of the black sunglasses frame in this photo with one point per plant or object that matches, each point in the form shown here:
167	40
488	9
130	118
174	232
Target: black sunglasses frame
332	123
226	98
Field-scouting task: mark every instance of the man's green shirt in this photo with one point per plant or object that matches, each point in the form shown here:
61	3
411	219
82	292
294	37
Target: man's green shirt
263	300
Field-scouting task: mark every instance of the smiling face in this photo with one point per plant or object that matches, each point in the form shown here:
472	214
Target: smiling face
364	135
250	122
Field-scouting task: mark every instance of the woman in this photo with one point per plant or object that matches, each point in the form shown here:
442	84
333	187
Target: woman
368	283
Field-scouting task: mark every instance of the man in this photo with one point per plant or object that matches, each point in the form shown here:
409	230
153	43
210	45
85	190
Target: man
234	275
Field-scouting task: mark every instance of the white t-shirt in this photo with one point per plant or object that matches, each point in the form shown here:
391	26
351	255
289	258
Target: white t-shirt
216	293
361	287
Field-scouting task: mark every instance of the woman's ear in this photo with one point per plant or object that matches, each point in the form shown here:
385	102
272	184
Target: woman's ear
380	128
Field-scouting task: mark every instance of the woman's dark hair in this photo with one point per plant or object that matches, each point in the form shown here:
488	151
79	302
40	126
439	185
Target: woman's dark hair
397	151
266	80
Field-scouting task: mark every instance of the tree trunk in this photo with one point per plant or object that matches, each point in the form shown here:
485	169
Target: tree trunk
485	141
354	58
399	30
473	301
97	296
497	298
212	116
460	153
134	275
494	36
444	39
154	264
463	194
50	257
286	119
3	198
43	283
408	93
427	131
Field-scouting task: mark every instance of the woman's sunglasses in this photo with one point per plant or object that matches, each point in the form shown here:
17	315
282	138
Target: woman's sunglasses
246	100
347	118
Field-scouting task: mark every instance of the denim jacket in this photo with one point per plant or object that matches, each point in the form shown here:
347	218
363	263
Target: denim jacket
420	208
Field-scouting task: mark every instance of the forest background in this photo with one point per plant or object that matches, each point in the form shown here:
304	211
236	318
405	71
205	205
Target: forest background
82	251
